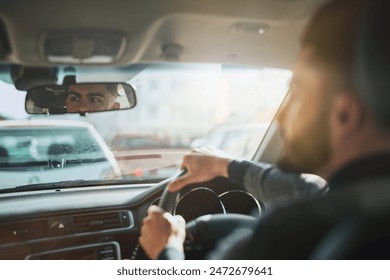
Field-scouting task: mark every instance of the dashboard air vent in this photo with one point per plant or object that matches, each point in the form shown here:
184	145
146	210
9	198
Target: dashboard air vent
100	221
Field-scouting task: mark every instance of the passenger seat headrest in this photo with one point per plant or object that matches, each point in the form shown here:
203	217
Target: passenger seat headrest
372	59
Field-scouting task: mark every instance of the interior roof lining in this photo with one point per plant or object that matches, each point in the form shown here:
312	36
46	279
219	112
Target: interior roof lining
25	22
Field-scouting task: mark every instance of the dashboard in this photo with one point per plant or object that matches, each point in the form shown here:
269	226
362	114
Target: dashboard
101	222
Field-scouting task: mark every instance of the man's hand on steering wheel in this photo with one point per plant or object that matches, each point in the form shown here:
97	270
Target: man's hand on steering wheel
160	230
202	164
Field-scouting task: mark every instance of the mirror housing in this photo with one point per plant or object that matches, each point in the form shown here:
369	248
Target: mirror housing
80	98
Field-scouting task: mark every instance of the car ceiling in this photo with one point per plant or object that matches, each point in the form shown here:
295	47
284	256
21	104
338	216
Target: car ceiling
218	31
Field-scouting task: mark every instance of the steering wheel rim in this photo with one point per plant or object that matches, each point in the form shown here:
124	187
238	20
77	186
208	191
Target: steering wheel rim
167	203
168	199
205	231
199	229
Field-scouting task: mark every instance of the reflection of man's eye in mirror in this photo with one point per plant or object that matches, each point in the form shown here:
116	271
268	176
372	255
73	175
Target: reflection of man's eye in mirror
96	98
74	97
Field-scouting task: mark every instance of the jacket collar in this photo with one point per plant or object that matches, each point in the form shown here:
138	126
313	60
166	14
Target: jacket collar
369	167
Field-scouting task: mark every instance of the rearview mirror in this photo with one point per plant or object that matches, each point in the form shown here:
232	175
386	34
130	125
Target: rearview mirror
79	98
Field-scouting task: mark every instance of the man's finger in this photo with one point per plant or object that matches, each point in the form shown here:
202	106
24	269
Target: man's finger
179	183
179	220
153	209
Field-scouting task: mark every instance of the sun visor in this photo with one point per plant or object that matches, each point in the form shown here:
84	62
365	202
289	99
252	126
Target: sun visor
4	42
25	78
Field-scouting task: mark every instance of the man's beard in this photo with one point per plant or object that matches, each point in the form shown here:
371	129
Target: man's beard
308	153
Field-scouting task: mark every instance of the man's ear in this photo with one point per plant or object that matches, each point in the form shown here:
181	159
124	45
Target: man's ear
349	113
116	106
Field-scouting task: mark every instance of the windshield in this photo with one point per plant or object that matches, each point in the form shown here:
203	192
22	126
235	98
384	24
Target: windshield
179	107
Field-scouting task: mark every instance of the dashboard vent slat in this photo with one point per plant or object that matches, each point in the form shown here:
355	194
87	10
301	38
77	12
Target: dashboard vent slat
100	221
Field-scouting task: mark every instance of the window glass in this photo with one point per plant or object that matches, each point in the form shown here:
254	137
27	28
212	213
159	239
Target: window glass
179	107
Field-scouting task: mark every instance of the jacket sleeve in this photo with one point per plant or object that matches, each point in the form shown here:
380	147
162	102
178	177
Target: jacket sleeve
273	186
170	253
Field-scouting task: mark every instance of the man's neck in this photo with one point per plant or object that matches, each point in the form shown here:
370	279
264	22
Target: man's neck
348	155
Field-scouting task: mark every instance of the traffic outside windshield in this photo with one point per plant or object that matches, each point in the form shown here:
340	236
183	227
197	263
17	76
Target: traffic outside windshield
179	107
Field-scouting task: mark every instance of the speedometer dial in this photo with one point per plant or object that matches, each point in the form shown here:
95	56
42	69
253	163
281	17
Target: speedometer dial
198	202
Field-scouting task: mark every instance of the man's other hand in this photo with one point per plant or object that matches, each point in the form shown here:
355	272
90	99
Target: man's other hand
160	230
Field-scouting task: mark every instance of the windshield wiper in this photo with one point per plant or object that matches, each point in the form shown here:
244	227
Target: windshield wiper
87	183
66	184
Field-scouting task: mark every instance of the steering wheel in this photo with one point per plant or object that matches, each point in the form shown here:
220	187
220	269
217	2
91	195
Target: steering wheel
168	199
167	203
203	233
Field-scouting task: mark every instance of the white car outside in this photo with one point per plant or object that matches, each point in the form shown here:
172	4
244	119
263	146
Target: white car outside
44	151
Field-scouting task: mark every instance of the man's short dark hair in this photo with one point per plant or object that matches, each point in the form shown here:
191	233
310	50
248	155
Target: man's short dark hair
113	89
332	34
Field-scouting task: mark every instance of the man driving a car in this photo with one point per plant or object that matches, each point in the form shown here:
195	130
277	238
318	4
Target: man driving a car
92	98
327	129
